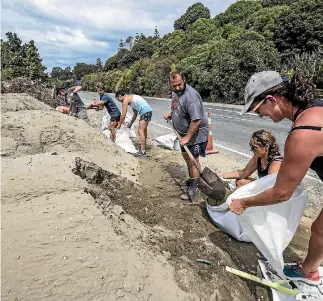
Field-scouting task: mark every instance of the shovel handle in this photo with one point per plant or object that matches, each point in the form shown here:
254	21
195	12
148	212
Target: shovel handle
197	165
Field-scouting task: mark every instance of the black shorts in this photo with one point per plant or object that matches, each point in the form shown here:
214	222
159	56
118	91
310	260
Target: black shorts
147	116
115	118
196	149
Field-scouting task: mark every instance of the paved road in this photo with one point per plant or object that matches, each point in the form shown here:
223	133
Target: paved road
231	131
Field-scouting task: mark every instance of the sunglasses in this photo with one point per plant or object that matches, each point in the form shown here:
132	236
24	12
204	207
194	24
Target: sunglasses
255	109
253	148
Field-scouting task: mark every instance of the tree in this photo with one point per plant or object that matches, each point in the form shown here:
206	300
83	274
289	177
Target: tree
62	74
111	63
56	72
20	60
309	65
271	3
156	33
67	73
137	37
82	69
172	43
193	13
238	12
99	65
263	20
299	28
142	50
129	42
121	44
116	60
34	67
200	32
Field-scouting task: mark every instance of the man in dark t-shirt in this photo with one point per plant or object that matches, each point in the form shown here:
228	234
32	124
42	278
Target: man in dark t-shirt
190	121
71	102
113	110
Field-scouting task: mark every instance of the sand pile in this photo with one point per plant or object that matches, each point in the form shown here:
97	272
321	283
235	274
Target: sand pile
56	245
30	127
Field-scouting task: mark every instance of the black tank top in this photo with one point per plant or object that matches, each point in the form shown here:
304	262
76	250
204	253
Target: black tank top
264	172
317	164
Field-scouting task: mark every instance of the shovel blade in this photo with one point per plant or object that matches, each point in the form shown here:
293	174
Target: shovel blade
211	185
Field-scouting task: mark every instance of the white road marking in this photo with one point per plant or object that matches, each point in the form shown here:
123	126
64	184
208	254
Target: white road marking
235	151
230	111
163	126
217	115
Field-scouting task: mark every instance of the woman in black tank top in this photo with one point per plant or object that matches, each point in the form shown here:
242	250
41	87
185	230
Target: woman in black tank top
269	94
266	159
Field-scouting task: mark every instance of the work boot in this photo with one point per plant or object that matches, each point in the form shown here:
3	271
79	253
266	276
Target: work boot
191	190
187	182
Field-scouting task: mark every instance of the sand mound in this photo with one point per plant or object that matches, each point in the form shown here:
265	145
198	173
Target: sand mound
60	247
31	131
20	102
56	245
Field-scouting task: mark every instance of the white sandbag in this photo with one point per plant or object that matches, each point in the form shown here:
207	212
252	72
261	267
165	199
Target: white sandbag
123	140
122	135
167	140
106	122
228	222
270	228
131	132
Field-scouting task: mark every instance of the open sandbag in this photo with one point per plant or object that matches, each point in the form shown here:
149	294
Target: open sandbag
270	228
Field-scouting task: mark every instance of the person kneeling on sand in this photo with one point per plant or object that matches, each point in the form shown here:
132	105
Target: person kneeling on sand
73	100
141	106
266	159
190	121
113	111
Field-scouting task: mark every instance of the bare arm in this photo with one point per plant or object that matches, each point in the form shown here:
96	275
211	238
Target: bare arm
134	117
274	167
194	126
125	103
168	116
244	173
77	89
97	104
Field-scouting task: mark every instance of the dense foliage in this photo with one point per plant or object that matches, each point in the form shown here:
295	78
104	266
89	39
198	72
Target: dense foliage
217	56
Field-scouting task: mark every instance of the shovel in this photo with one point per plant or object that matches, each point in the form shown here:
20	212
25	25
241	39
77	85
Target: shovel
208	182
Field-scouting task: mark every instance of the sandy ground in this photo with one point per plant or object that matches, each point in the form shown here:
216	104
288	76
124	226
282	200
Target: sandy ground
83	220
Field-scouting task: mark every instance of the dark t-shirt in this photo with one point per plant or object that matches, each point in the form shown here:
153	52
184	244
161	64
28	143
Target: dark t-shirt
76	99
187	107
110	105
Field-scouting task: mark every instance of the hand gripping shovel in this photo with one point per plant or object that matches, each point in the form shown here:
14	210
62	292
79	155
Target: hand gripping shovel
208	182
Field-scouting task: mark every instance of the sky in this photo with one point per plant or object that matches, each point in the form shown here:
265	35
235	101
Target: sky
66	32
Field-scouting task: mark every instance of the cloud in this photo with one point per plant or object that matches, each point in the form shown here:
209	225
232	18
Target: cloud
66	32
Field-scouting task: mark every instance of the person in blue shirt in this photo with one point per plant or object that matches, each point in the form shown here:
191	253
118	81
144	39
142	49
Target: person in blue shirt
140	106
113	111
